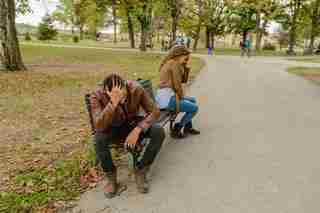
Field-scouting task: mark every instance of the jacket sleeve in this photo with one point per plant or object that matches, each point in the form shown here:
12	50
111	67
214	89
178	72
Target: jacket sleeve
176	76
150	108
102	117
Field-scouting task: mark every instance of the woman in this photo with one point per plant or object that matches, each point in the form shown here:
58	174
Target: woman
173	73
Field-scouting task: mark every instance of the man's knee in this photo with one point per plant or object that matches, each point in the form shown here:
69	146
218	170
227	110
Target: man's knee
102	141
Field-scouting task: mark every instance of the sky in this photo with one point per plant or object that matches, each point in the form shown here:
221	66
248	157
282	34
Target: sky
39	10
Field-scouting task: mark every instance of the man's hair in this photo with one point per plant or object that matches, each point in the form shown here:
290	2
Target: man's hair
111	79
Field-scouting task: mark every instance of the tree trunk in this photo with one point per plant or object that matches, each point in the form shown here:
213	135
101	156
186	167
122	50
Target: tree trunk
174	29
10	54
292	38
130	29
81	31
197	36
114	15
207	37
212	38
198	30
293	28
314	25
143	38
175	6
259	32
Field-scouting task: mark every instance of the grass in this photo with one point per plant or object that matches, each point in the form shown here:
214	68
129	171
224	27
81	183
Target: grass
236	52
312	59
310	73
44	136
126	45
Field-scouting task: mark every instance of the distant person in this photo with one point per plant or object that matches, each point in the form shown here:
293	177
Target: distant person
171	95
242	49
188	42
182	41
211	49
98	35
166	47
162	45
247	46
116	114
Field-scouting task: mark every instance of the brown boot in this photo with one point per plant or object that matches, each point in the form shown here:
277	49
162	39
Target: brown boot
110	189
141	180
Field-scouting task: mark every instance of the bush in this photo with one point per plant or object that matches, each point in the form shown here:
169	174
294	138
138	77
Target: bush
75	39
27	37
46	30
269	46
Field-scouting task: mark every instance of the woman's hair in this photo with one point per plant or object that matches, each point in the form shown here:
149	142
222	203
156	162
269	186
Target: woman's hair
111	79
174	52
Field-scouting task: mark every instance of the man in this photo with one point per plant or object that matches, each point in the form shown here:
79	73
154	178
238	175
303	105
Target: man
116	114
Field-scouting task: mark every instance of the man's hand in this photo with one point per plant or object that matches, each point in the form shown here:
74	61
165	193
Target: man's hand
133	138
116	94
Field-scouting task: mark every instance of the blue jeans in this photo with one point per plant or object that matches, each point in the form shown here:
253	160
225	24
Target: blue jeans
189	106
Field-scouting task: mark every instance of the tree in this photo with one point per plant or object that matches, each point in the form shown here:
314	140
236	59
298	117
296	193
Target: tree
243	18
193	19
46	30
217	15
282	38
290	20
65	13
127	6
175	8
265	12
10	54
143	13
312	12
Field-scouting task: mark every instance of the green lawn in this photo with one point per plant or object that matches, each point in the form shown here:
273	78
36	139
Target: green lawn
45	137
125	45
308	73
312	59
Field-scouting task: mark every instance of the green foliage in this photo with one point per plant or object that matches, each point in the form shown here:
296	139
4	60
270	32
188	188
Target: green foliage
27	37
46	30
243	18
217	16
75	39
23	7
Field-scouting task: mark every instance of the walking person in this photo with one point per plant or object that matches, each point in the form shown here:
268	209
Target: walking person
116	114
171	95
247	46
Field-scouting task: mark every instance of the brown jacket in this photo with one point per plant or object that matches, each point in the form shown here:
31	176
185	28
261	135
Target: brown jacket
106	116
171	76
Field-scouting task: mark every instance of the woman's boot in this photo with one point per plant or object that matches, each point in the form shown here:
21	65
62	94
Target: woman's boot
188	129
177	132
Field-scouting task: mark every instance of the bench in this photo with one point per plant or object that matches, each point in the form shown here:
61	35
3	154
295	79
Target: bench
166	116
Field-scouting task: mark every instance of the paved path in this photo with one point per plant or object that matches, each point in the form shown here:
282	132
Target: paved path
258	151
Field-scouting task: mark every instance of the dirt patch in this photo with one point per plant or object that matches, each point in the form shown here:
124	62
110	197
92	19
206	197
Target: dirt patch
313	77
